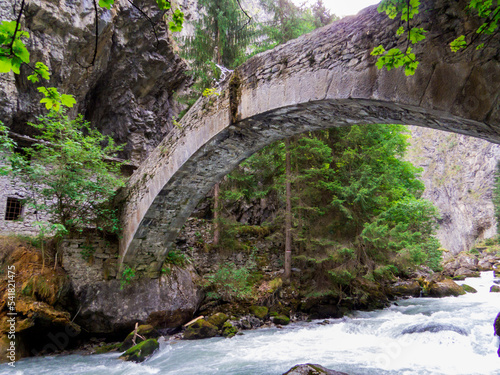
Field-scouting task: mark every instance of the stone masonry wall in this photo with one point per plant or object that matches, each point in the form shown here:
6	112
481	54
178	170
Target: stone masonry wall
24	226
89	261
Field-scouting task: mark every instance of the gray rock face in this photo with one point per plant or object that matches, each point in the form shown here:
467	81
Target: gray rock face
127	93
166	302
458	173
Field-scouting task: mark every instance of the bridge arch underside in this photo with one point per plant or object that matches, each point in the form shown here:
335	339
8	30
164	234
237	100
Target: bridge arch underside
191	182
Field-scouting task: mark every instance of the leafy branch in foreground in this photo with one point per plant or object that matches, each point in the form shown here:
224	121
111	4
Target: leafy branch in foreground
13	53
408	9
491	19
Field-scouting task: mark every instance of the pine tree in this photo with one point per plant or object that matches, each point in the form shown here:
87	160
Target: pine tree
221	37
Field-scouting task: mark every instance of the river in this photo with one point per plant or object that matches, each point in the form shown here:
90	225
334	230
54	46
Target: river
365	343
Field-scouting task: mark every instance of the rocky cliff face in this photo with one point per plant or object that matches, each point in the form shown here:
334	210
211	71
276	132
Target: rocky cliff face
127	92
458	173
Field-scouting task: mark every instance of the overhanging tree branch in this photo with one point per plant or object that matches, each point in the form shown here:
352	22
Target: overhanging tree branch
18	22
246	14
150	21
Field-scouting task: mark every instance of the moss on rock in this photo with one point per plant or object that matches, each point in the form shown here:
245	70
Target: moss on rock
495	289
468	288
145	330
281	319
141	351
218	319
107	348
228	330
259	311
201	329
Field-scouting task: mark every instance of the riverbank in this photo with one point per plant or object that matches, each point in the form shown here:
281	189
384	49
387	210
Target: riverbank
48	307
365	343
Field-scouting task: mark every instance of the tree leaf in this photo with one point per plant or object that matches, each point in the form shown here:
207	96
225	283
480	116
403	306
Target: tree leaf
458	43
106	3
68	100
163	4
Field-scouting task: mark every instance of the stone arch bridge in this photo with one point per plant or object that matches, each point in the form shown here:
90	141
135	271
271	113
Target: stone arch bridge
320	80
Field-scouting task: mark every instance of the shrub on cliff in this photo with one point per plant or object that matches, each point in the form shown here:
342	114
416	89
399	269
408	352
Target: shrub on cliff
228	283
71	173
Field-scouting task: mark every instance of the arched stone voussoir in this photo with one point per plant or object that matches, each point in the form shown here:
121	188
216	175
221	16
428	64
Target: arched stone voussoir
324	79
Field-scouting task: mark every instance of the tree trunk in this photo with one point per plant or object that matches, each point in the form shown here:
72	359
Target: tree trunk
216	215
288	213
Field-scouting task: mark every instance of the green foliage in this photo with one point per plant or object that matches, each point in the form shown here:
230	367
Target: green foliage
177	258
79	178
54	100
13	52
356	202
163	4
395	58
41	71
407	228
408	9
341	277
289	22
177	20
474	251
210	92
458	43
87	252
221	36
228	283
127	275
7	146
106	3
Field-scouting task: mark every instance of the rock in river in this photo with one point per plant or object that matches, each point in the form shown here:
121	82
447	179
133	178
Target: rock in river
312	369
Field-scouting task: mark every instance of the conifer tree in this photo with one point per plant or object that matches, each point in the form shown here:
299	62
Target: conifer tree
221	37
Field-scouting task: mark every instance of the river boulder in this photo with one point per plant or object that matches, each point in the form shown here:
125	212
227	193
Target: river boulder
259	311
166	302
312	369
218	319
496	325
141	351
445	288
468	288
281	320
144	330
433	328
406	288
200	329
466	272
